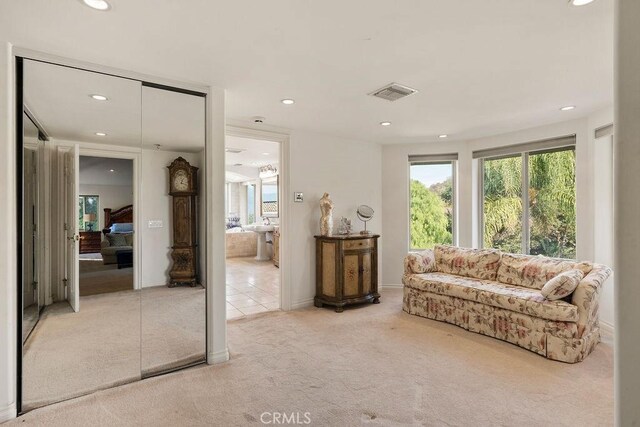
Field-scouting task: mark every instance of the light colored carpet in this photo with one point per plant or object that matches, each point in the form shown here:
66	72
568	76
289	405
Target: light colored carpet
115	338
97	278
173	327
373	365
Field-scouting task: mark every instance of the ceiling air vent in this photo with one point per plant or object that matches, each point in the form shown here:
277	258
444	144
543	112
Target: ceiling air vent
393	92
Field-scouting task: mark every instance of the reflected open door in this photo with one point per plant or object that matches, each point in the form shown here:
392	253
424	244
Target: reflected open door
72	185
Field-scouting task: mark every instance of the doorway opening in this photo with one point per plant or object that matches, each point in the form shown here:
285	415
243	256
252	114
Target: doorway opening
253	211
105	222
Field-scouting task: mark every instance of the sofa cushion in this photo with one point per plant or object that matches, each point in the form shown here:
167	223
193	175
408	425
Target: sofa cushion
477	263
513	298
562	285
535	271
116	239
420	262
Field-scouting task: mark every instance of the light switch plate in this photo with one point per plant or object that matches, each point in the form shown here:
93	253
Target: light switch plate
298	197
155	223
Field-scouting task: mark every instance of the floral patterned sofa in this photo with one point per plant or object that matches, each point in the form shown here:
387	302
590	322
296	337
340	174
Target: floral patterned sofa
501	295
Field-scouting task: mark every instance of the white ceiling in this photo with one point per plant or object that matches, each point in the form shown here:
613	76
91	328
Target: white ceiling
482	67
59	97
97	171
244	166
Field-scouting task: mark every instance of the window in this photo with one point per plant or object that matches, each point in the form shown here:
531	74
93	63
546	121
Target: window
529	200
432	201
251	203
88	208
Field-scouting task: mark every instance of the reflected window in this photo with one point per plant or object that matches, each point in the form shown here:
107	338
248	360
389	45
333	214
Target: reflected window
88	209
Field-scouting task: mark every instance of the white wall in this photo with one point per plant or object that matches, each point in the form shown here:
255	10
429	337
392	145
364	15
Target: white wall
111	196
396	196
350	171
156	204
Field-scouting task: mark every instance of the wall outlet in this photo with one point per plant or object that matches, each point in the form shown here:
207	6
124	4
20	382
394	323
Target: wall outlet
298	197
155	223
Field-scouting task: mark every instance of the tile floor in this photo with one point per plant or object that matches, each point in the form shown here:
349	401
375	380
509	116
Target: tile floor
252	287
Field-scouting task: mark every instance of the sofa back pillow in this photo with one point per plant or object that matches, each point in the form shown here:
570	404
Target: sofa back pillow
562	285
476	263
122	227
533	271
128	238
116	239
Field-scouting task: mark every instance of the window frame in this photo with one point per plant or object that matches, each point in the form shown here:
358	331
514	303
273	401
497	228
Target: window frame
525	246
445	159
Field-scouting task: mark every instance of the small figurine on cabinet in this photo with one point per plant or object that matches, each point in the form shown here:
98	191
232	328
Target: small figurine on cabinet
183	179
326	220
345	226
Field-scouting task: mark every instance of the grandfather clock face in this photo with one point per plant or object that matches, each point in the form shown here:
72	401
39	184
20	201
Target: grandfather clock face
181	180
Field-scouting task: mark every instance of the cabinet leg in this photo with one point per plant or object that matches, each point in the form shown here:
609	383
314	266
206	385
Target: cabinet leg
318	304
339	309
376	300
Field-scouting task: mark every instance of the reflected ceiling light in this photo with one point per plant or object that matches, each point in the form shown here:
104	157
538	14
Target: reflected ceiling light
102	5
580	2
385	123
101	134
288	101
111	170
568	108
444	135
99	97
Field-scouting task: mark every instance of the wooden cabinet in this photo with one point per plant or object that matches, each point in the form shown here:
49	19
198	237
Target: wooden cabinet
346	270
276	248
90	242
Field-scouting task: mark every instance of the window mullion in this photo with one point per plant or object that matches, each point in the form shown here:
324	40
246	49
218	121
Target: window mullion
525	204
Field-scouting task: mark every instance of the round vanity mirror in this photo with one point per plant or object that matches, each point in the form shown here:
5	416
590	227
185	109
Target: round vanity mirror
365	213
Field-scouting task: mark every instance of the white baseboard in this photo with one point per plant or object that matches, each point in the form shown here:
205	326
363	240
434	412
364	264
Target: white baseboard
302	304
8	413
607	330
221	356
392	286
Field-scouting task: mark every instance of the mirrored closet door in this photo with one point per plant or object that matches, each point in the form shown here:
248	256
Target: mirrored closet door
173	330
113	283
86	328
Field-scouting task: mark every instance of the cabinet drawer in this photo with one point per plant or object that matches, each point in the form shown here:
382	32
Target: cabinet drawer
358	244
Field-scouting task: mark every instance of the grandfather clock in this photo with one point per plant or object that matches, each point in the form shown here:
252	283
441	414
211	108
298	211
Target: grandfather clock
183	186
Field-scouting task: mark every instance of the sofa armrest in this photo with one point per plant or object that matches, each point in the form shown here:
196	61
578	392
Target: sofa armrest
104	244
420	262
587	298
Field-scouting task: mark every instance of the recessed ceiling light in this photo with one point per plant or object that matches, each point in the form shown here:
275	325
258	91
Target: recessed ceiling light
111	170
97	4
101	134
265	154
580	2
568	108
99	97
444	135
288	101
385	123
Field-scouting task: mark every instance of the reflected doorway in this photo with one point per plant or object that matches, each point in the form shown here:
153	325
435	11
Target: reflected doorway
105	220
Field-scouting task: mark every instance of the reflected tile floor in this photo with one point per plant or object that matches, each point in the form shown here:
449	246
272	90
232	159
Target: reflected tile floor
252	287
